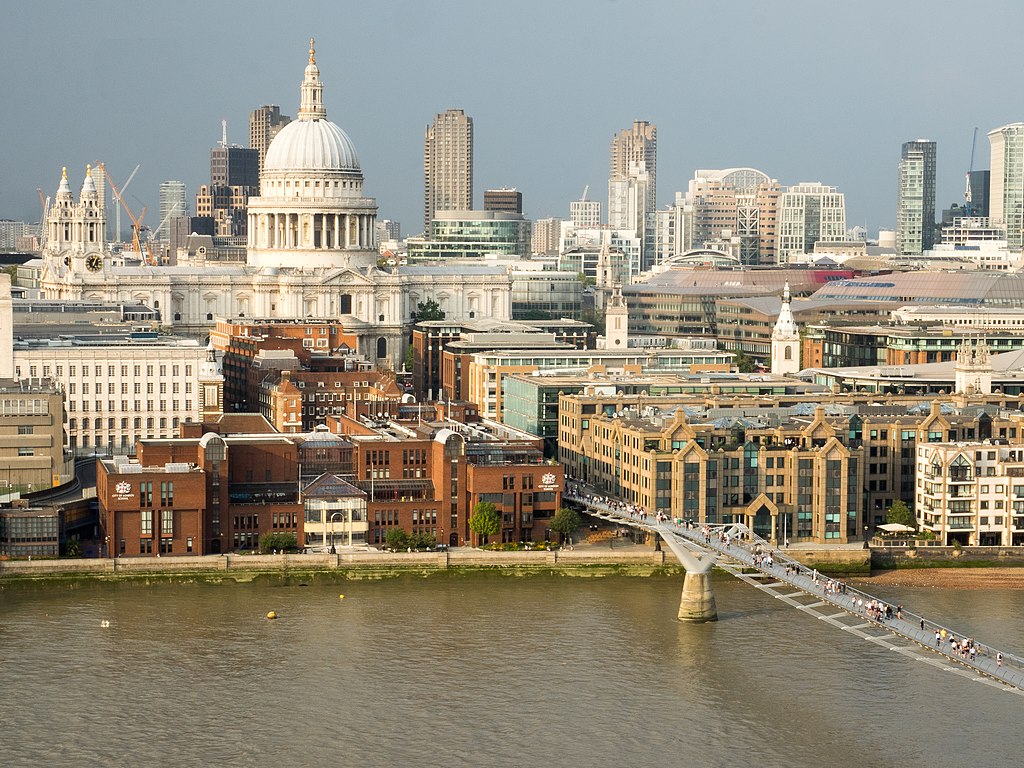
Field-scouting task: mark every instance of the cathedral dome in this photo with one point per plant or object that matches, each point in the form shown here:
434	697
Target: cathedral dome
311	142
311	145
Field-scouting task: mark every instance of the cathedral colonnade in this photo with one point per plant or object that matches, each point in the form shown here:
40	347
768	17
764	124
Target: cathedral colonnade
321	230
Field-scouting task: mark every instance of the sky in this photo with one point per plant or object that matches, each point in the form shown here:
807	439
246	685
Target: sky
823	90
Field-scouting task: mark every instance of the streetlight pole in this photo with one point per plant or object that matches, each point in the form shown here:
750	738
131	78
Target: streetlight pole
334	550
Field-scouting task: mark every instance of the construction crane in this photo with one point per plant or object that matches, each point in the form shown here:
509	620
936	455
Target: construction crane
124	188
968	202
45	203
583	197
139	245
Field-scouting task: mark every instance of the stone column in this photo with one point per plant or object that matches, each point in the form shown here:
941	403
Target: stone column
698	601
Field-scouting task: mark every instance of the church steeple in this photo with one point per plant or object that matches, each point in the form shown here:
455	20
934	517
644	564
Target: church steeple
785	339
311	102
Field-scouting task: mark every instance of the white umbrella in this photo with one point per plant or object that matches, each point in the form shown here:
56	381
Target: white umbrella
896	528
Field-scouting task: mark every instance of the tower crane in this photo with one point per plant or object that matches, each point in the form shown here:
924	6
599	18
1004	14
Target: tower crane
138	244
45	203
969	204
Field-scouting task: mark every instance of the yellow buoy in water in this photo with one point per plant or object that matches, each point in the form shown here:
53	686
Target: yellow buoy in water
272	615
341	597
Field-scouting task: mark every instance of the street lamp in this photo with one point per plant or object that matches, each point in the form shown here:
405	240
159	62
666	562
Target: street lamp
334	551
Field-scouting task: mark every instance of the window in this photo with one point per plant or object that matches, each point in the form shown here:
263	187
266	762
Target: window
146	522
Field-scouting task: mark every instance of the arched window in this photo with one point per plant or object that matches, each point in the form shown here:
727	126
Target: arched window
789	353
382	347
346	304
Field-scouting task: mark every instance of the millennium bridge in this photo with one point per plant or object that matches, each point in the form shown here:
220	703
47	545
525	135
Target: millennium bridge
735	549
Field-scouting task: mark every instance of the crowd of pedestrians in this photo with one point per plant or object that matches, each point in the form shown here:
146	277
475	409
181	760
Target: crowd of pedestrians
765	558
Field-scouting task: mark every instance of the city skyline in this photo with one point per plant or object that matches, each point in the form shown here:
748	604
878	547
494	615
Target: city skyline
545	114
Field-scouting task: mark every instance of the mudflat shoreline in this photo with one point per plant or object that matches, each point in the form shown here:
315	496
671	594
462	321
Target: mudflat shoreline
947	578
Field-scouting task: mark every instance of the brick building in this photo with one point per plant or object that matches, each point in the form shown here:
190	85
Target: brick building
424	471
788	466
200	495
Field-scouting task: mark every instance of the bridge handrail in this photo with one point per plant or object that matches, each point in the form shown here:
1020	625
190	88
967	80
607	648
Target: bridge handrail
615	507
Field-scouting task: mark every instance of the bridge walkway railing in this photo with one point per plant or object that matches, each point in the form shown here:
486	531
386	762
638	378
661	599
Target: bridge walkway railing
737	543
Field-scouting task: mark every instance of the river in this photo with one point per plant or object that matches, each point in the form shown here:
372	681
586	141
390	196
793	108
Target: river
482	670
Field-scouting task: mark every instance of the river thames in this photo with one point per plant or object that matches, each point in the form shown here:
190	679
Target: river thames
483	670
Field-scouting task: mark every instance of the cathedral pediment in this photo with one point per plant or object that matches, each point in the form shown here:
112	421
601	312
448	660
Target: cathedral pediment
346	277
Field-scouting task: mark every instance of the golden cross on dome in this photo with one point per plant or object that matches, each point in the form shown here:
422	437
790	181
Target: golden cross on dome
312	51
64	173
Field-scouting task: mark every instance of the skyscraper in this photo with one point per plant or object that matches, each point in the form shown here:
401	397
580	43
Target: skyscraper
633	168
447	165
1006	183
172	204
264	124
915	214
638	144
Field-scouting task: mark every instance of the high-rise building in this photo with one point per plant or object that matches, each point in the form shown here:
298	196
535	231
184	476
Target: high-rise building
264	124
508	200
545	235
915	214
632	146
808	212
1006	183
722	204
388	230
585	213
234	166
234	178
447	165
977	188
632	183
99	177
172	204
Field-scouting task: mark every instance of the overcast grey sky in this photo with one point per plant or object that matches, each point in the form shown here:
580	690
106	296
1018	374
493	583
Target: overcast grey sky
803	90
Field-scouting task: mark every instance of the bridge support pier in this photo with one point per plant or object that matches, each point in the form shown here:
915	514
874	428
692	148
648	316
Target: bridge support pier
698	601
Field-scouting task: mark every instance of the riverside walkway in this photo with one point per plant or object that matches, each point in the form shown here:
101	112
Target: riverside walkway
755	561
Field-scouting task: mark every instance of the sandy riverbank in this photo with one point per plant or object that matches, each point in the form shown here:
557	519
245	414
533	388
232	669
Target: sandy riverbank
948	578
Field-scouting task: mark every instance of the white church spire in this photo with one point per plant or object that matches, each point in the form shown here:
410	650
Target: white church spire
785	339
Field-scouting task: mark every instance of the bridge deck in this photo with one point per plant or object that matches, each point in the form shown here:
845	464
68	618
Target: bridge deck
820	596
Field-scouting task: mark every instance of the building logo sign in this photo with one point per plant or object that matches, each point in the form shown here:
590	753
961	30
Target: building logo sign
123	491
548	482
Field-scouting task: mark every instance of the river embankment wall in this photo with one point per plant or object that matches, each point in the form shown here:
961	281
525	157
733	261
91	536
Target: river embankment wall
635	560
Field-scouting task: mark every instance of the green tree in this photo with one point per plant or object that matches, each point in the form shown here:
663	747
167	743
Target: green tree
744	362
900	513
565	522
396	538
485	521
587	280
280	542
428	310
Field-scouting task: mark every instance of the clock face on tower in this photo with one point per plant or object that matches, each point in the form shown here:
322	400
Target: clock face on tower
94	262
